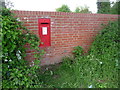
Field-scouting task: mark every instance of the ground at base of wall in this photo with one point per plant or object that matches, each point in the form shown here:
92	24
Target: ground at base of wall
51	67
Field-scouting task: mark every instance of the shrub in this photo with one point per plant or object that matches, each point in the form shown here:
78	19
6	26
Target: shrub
105	49
16	72
78	51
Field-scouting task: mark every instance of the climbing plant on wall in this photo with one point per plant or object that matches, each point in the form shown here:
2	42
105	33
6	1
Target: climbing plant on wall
17	72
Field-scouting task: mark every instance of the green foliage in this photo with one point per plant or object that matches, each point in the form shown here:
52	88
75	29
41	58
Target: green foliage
82	10
98	69
77	10
115	9
78	51
106	49
16	71
108	8
109	40
63	8
103	7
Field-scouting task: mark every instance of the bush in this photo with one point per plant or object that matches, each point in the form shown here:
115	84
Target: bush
105	48
16	72
78	51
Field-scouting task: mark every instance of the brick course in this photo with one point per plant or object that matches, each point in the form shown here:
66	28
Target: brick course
67	31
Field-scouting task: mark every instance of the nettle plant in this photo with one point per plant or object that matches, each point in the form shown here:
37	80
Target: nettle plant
16	72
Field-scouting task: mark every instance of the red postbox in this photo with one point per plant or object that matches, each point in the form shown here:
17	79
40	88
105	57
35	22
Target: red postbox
44	31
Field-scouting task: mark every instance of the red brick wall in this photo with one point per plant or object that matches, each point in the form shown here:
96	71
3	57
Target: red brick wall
67	31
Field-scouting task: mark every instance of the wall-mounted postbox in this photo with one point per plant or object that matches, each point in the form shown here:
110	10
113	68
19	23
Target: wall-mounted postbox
44	31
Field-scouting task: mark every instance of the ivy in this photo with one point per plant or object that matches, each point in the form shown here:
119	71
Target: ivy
17	72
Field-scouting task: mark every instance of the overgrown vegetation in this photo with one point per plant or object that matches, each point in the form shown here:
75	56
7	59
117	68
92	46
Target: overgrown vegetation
16	72
115	8
65	8
84	9
103	7
108	7
98	69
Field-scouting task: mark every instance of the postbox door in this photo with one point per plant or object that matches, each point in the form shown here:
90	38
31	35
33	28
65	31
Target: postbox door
44	32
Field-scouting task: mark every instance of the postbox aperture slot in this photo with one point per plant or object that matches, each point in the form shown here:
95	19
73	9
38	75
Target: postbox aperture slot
44	23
